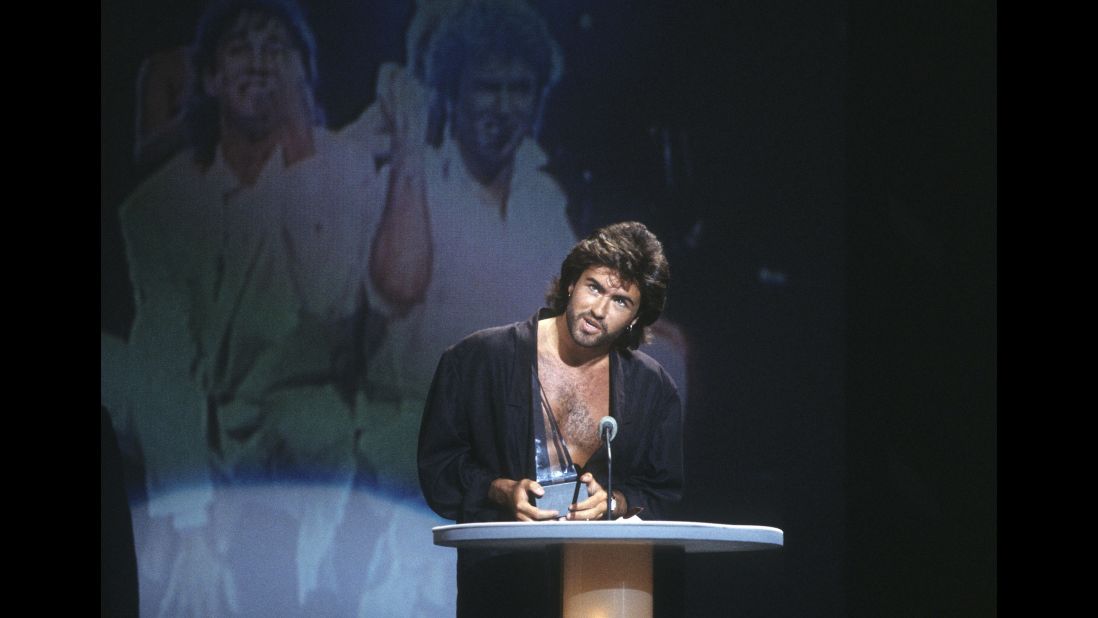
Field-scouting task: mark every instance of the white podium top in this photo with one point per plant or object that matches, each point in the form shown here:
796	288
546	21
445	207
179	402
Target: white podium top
694	537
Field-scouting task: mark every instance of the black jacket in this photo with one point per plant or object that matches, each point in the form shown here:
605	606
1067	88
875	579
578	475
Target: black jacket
477	426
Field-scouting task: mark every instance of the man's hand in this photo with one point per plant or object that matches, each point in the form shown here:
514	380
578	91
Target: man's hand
402	254
513	495
403	103
295	102
594	507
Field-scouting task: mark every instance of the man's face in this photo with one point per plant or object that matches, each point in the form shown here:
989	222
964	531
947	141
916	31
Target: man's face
600	307
257	69
497	101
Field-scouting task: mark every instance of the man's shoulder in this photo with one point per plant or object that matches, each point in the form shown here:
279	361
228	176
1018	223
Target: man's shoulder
643	367
641	361
532	170
166	178
489	352
337	144
488	341
153	202
338	154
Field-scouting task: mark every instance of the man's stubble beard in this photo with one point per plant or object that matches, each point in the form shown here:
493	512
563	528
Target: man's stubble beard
573	321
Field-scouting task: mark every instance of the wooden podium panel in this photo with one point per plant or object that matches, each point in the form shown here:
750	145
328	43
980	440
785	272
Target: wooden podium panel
606	580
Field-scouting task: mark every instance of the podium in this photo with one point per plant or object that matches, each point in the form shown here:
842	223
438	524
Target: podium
606	566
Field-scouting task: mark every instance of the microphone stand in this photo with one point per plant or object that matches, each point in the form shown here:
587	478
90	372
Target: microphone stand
609	475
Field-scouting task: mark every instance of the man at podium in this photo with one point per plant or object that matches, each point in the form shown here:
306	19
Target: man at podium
514	412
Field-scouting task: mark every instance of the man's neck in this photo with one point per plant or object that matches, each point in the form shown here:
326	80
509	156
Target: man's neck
554	338
247	155
495	181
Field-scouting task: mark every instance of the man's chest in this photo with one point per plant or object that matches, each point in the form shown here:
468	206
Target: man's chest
578	398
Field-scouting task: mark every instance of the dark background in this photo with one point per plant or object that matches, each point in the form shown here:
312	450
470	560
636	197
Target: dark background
922	407
824	177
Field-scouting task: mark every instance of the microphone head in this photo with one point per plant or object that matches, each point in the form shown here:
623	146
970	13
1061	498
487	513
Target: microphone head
608	424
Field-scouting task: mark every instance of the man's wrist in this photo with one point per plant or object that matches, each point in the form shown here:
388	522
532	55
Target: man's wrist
500	490
618	504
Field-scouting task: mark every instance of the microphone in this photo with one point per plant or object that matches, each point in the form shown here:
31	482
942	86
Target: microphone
608	425
608	429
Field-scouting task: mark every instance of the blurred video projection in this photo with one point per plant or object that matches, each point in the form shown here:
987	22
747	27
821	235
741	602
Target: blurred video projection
304	204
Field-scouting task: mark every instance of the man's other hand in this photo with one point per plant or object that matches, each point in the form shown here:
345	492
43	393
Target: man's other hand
594	507
515	496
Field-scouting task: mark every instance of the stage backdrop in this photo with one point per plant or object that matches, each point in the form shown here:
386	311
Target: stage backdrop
304	205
